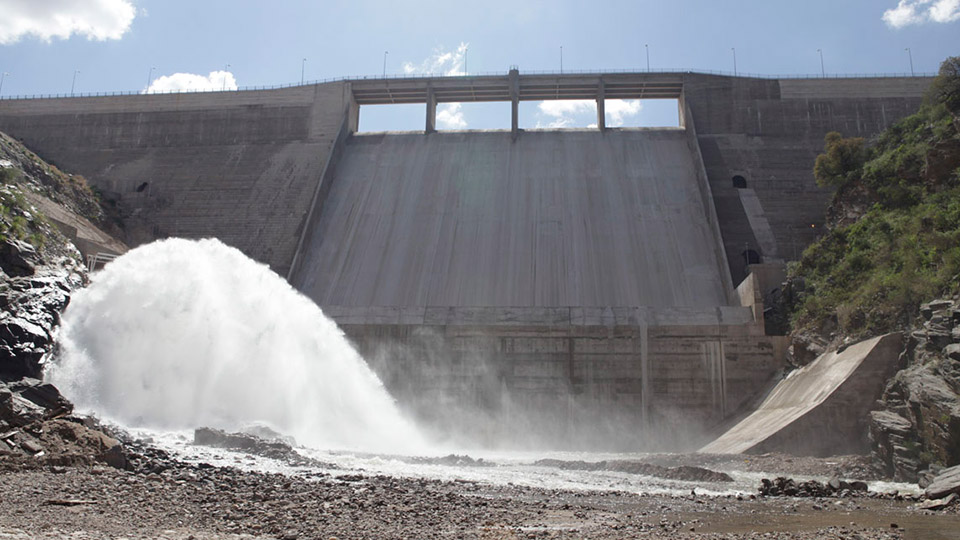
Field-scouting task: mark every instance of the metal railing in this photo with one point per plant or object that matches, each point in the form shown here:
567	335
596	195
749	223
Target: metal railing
99	260
479	74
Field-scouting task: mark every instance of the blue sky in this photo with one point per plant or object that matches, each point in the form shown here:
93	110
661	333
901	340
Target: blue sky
115	43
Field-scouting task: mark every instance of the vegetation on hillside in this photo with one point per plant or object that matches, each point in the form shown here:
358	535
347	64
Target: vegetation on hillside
893	235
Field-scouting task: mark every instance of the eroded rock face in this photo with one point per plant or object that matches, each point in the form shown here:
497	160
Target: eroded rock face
917	423
30	307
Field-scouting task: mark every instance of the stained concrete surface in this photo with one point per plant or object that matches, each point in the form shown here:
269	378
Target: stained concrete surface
817	409
562	218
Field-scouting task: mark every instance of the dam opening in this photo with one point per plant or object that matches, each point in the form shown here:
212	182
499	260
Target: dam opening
583	288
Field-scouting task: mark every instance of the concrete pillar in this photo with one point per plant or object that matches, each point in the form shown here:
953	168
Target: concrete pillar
601	109
514	102
353	110
431	111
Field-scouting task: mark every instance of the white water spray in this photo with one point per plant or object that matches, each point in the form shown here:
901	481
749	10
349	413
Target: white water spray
179	334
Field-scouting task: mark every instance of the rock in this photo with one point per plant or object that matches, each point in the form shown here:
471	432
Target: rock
952	351
31	446
686	473
925	477
17	258
27	401
946	483
938	504
928	309
790	488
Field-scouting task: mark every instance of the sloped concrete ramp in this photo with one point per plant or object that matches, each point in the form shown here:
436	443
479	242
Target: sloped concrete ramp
820	409
553	218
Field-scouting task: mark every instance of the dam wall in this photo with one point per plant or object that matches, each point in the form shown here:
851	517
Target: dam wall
562	218
238	166
575	285
769	132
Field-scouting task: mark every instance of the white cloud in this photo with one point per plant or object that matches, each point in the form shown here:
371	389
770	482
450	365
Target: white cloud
440	62
944	11
583	113
47	19
192	82
620	109
910	12
450	63
449	116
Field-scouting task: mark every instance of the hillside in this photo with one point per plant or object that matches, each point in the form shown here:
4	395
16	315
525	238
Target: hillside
890	261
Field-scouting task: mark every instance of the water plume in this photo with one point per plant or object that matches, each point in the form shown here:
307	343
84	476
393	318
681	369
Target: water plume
179	334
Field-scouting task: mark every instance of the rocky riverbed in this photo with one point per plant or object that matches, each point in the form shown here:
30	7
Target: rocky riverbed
152	494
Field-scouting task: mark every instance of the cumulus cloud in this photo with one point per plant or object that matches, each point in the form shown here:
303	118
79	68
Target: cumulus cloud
443	62
47	19
908	12
619	109
440	62
583	113
449	116
192	82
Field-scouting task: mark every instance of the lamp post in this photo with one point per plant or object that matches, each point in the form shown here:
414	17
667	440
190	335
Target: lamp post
223	82
823	72
910	55
385	53
734	49
150	78
561	59
465	51
74	83
2	77
647	47
303	65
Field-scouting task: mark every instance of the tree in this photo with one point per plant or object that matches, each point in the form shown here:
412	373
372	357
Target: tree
841	161
945	88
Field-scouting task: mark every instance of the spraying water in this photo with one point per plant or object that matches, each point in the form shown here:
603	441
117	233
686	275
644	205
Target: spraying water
179	334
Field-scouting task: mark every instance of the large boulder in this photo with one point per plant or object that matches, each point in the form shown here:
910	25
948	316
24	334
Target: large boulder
27	401
947	482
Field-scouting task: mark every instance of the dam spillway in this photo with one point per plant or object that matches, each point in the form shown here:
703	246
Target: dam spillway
573	218
597	286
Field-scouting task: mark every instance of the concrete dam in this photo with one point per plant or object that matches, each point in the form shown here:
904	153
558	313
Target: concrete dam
596	288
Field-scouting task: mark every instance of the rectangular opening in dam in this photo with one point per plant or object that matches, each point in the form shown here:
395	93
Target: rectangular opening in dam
392	117
580	114
473	116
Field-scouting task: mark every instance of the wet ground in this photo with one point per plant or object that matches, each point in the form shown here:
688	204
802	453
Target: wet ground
209	493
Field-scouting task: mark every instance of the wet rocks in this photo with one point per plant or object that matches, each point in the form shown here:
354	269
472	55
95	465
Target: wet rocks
30	308
684	472
788	487
252	444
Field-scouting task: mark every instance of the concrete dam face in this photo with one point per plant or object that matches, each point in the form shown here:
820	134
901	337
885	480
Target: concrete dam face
553	219
583	289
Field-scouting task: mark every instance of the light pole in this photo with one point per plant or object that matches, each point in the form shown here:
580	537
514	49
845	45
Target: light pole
74	83
150	78
385	53
734	49
223	85
561	59
2	77
465	51
910	55
823	72
647	47
303	66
